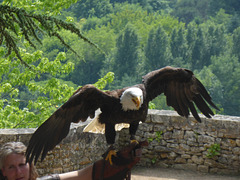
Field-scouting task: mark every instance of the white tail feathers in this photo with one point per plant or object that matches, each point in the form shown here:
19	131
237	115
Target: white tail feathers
95	127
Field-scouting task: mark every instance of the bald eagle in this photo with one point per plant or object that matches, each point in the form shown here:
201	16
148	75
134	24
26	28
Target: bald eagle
182	89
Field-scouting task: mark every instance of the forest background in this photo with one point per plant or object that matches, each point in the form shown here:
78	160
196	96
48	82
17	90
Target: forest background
135	37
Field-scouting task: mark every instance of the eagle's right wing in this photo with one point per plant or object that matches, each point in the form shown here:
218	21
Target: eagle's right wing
81	105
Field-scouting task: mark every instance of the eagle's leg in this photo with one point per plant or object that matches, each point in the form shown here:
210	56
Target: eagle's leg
132	131
110	135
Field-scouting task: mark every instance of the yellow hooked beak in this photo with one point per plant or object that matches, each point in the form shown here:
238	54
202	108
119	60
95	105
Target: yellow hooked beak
137	101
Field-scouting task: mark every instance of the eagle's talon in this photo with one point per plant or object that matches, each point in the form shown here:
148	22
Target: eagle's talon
134	141
109	156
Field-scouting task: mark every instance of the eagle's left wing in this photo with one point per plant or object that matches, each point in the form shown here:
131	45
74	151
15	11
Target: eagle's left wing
182	90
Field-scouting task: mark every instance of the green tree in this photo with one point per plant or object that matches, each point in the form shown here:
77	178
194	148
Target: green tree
45	96
18	23
199	50
231	7
18	110
188	10
93	66
227	68
45	6
85	8
179	47
141	19
221	17
191	40
236	43
233	23
217	40
157	5
126	58
157	50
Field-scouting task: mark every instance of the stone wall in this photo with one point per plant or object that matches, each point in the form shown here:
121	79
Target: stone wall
183	143
173	142
76	151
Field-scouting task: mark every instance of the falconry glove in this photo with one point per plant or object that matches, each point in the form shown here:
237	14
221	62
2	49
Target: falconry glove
123	162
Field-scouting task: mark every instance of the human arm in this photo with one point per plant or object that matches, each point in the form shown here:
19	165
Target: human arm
82	174
122	164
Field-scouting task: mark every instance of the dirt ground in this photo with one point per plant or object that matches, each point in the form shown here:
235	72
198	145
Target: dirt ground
142	173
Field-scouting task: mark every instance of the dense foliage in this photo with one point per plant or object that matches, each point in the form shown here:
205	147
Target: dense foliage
137	37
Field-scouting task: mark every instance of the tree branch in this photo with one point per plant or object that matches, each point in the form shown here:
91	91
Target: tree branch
15	21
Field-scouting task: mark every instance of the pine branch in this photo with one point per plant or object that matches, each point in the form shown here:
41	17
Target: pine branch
15	21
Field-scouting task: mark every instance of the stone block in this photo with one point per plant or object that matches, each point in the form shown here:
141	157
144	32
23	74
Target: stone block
190	136
202	168
213	170
214	164
189	167
167	135
238	142
228	143
180	160
186	156
163	155
184	147
178	134
162	149
197	159
206	139
236	150
172	155
57	170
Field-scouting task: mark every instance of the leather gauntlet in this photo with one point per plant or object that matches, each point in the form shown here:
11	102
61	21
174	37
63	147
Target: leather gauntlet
122	163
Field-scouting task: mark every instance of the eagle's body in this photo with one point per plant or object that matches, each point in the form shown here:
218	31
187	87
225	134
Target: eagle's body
119	114
128	105
123	112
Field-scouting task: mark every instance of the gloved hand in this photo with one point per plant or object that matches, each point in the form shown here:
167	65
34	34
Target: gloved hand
122	163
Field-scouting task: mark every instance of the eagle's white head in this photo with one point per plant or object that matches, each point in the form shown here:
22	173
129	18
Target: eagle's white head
131	99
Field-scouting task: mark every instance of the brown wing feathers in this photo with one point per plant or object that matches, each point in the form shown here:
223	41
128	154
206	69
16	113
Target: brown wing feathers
47	136
79	107
182	99
182	90
205	94
194	92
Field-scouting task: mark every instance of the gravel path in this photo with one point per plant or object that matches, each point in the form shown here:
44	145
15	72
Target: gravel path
142	173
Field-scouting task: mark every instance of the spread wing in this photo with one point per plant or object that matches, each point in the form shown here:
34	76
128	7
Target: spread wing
81	105
182	90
